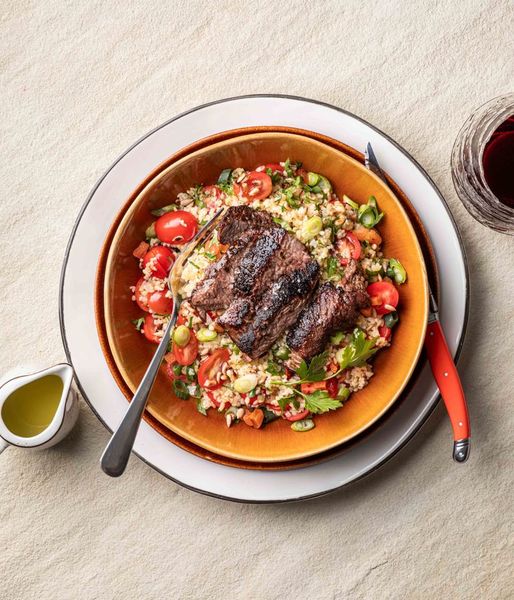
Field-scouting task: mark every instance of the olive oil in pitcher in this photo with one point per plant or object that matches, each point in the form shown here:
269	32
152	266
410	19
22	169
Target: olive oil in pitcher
30	409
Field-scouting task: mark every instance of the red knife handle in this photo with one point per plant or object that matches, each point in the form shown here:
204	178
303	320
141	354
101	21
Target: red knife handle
448	381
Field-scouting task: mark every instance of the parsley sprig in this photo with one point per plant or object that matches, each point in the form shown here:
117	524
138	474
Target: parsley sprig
313	371
320	402
358	351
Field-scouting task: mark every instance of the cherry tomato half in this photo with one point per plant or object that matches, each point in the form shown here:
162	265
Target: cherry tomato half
297	417
187	355
349	247
141	295
159	303
176	228
162	259
149	330
384	296
210	367
256	186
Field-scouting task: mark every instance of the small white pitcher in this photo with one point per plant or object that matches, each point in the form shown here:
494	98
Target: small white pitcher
63	420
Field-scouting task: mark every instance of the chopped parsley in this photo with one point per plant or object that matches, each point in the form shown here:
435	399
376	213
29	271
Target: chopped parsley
315	370
357	352
274	368
180	389
333	269
320	402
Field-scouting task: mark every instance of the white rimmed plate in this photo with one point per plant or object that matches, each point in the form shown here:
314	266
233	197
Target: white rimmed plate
78	277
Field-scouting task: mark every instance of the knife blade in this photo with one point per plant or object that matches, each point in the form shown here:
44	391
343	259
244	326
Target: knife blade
439	356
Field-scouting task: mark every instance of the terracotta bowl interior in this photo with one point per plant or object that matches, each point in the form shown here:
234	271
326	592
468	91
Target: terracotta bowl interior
131	353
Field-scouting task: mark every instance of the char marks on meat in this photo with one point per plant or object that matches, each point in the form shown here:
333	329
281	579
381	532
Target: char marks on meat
332	308
255	326
214	291
239	219
263	281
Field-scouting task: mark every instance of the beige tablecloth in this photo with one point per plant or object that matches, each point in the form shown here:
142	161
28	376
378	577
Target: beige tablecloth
80	81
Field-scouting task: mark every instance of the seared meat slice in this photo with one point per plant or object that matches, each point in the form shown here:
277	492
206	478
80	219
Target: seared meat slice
239	219
255	325
215	290
332	308
274	253
354	283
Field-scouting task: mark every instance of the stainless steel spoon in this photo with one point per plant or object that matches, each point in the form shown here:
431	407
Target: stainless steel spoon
115	457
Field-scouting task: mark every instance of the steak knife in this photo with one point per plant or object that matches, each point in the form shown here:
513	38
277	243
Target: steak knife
440	359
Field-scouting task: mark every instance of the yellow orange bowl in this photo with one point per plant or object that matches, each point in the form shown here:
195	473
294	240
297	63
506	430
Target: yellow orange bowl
131	353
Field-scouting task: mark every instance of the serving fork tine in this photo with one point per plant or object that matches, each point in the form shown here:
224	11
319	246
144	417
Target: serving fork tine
117	452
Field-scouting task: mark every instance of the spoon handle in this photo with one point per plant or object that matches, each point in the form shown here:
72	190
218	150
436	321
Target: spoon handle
116	454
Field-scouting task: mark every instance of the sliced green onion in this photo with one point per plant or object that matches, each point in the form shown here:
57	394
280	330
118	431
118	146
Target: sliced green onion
391	319
158	212
190	374
368	214
396	271
181	336
177	370
150	232
206	335
312	227
312	179
324	185
245	383
343	394
200	408
225	176
305	425
349	201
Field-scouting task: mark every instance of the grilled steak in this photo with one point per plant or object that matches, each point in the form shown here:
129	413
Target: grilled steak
332	308
263	281
239	219
255	326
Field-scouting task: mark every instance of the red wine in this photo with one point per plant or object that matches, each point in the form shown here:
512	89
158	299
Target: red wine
498	162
